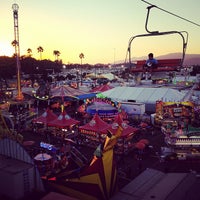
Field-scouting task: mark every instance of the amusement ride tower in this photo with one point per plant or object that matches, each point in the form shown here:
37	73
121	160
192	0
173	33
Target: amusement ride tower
15	8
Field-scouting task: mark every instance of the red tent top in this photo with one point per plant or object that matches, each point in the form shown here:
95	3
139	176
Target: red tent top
46	117
101	88
63	120
127	129
96	125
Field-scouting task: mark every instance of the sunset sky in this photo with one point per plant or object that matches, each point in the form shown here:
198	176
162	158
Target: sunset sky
100	29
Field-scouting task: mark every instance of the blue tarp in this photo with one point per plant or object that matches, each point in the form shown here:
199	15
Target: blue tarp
86	96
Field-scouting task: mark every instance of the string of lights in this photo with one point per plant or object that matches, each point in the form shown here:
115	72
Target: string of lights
172	14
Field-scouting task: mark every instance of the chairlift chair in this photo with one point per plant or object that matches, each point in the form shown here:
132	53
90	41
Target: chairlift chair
166	64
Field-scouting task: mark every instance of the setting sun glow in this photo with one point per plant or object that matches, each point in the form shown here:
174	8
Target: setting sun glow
72	27
6	49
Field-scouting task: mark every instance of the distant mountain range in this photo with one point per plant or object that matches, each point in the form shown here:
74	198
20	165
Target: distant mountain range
190	59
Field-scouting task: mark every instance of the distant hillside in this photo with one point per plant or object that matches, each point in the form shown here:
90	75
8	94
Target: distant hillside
190	59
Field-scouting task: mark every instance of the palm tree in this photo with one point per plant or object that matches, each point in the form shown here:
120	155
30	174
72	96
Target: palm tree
29	51
56	53
14	43
81	56
40	50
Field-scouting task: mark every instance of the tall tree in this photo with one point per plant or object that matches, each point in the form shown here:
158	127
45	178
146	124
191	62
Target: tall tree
29	52
81	56
56	53
14	43
40	50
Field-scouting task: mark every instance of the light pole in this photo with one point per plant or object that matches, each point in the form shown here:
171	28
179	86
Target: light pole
15	8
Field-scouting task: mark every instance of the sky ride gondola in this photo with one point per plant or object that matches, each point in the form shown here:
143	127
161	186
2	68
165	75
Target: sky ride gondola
165	64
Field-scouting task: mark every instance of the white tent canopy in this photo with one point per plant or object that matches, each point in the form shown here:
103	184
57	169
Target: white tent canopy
109	76
149	96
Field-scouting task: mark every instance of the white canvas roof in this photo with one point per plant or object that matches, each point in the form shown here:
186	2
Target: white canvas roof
109	76
144	95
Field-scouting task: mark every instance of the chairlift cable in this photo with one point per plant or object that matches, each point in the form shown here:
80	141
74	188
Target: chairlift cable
172	14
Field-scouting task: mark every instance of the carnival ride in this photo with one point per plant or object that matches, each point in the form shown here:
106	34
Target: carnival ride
181	137
9	126
164	65
177	121
4	130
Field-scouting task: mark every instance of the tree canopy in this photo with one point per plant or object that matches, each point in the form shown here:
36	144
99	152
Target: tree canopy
29	65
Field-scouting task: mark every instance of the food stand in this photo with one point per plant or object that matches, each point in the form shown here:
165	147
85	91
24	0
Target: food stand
62	126
125	142
94	132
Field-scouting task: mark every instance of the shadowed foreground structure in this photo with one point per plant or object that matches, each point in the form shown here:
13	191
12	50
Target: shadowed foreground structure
154	184
98	180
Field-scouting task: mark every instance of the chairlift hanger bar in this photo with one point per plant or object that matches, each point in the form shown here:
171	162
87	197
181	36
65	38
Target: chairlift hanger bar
157	33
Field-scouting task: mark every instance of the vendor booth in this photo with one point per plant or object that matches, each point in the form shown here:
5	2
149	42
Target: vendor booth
94	132
63	125
125	142
46	117
40	123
